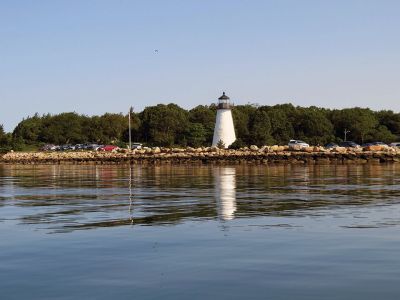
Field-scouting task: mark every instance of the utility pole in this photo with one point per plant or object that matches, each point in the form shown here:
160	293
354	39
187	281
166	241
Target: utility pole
345	134
130	134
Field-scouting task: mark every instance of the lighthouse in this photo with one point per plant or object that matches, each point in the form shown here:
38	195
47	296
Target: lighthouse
224	130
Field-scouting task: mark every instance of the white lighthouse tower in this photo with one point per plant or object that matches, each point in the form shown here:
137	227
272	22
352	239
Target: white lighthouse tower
224	130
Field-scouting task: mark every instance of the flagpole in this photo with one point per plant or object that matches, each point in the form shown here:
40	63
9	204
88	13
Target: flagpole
130	135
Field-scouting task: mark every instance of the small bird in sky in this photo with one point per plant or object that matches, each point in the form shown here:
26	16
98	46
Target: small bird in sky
156	51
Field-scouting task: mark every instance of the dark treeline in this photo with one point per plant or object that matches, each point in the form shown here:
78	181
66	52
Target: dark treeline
171	125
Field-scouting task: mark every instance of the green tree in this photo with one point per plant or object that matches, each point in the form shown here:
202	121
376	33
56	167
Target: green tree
360	121
221	144
390	120
237	144
204	115
5	140
196	135
241	120
3	136
92	128
64	128
164	125
260	128
281	126
112	127
383	134
28	130
313	126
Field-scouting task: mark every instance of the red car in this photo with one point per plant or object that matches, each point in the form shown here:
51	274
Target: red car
108	148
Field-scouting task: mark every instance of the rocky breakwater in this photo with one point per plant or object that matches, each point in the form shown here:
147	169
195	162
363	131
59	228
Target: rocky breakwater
212	155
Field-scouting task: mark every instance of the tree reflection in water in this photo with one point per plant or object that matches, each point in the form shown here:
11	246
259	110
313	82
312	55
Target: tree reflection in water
67	198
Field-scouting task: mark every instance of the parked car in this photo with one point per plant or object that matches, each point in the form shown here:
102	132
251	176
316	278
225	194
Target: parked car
375	144
48	147
380	144
299	143
93	147
67	147
331	145
79	146
367	144
137	146
395	144
349	144
108	148
63	148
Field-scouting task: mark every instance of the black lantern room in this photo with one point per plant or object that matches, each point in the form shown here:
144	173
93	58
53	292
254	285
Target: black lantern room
223	102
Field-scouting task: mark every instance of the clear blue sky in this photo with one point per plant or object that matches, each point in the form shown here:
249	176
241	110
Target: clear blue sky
98	56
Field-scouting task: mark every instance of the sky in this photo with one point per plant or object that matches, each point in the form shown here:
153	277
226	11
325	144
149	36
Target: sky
98	56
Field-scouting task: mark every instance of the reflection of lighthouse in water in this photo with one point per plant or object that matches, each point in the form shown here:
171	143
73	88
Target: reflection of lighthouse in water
225	189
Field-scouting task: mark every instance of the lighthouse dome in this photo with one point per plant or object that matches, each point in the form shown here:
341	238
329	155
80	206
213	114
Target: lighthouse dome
223	102
223	97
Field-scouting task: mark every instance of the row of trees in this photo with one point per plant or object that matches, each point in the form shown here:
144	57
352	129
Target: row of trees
168	125
5	140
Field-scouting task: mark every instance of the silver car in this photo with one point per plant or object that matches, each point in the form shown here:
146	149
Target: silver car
298	143
137	146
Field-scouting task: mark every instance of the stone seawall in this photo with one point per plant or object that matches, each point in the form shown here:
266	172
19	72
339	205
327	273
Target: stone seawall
211	155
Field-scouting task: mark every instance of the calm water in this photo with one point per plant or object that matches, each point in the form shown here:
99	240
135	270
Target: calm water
284	232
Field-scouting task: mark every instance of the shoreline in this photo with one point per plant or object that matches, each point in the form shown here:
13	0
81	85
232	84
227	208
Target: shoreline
252	155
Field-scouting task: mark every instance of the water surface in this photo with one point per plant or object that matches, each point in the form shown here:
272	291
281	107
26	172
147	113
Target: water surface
244	232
